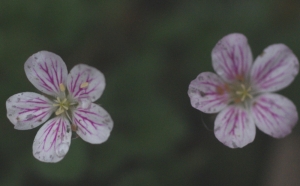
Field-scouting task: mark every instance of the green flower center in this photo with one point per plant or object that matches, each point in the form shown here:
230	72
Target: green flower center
62	102
242	93
63	105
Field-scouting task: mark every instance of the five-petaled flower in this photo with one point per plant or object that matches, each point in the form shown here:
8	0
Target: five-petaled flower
72	105
241	91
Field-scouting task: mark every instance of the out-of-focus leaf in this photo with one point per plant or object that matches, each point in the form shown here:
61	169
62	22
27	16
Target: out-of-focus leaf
71	168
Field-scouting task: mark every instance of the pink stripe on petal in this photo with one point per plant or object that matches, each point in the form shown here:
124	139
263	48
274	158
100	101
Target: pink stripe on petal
46	70
94	123
232	57
274	69
208	93
234	127
53	140
28	110
85	82
274	114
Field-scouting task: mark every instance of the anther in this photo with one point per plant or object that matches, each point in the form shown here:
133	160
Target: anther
244	92
84	85
59	111
74	127
62	87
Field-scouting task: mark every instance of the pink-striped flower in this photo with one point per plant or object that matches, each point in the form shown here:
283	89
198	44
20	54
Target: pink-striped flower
242	91
69	97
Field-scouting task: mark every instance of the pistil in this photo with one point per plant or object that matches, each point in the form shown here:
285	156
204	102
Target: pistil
244	93
62	104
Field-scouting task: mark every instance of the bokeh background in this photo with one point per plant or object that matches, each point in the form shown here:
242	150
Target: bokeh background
149	51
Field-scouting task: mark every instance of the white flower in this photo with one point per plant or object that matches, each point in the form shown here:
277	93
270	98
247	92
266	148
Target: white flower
69	96
241	91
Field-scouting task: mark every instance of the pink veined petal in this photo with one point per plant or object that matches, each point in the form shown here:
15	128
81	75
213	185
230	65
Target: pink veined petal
208	93
94	123
232	57
46	71
53	140
234	127
274	114
28	110
274	69
85	82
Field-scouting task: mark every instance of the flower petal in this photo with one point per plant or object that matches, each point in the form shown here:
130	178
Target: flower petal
274	114
208	93
232	57
234	127
274	69
46	71
85	82
53	140
28	110
94	123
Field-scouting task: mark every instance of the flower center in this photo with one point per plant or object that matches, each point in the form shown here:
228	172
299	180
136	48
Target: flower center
242	93
63	104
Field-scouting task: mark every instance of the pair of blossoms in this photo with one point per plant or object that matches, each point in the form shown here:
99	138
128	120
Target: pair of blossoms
241	92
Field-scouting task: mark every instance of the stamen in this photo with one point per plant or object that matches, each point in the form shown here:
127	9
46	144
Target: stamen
244	93
62	104
62	87
59	111
64	101
74	127
56	104
84	85
243	97
68	116
239	92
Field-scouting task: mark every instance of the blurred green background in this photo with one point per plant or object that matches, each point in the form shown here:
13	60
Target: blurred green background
149	51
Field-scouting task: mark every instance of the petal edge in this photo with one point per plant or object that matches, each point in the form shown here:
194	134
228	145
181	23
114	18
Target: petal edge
28	110
85	82
274	69
232	57
274	114
52	141
94	123
46	71
234	127
208	93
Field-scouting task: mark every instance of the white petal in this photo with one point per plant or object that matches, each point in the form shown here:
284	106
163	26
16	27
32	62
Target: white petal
28	110
274	114
234	127
94	123
208	93
85	82
232	57
53	140
274	69
46	71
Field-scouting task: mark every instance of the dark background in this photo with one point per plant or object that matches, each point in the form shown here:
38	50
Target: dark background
149	51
